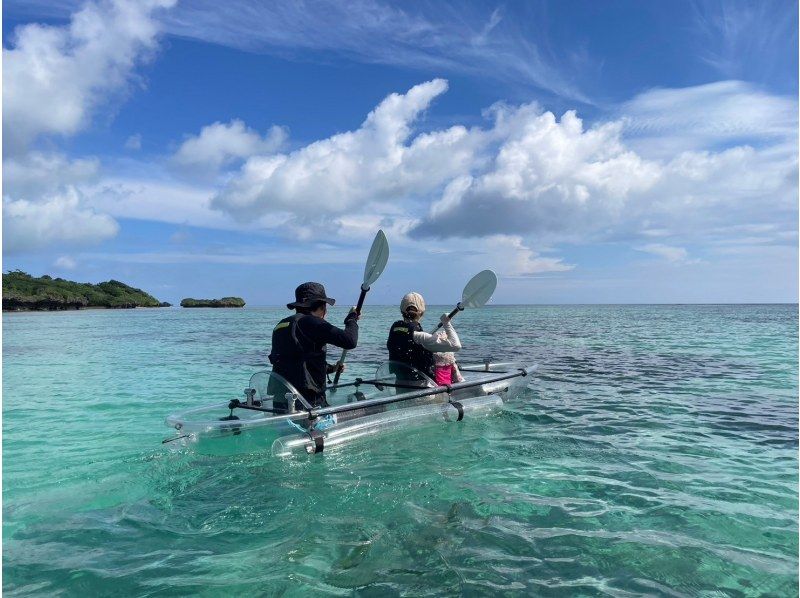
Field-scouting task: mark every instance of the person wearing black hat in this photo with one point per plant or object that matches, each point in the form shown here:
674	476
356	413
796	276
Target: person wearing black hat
299	342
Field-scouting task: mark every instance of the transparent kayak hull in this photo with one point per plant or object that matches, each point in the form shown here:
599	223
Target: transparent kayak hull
397	397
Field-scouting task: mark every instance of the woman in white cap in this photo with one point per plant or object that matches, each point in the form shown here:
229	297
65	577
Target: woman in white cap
431	354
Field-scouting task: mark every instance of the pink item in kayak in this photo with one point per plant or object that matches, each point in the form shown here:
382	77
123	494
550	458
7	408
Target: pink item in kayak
444	374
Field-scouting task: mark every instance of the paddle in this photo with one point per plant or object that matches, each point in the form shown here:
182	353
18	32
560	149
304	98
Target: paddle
376	262
477	292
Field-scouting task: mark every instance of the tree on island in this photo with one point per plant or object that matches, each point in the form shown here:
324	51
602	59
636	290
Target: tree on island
22	292
224	302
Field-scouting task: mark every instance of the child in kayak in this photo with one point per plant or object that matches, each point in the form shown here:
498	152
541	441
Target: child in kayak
443	343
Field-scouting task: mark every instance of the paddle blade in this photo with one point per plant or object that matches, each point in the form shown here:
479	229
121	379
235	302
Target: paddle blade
376	260
479	290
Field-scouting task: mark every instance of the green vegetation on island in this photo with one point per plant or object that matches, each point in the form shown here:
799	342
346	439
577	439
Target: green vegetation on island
224	302
23	292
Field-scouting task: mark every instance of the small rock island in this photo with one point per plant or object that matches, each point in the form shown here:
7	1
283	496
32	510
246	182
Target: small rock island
224	302
23	292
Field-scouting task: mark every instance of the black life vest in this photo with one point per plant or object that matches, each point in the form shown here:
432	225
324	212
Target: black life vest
402	347
298	359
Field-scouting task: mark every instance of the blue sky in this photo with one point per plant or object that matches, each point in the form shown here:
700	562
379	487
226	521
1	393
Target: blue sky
607	152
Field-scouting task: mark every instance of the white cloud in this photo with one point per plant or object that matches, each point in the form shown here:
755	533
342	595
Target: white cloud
79	66
530	173
676	255
250	255
663	122
54	79
134	142
57	220
547	176
564	182
373	163
509	256
219	144
438	37
151	198
35	174
478	40
65	262
746	40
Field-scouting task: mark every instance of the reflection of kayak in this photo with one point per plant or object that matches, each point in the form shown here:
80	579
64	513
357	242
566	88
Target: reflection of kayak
274	415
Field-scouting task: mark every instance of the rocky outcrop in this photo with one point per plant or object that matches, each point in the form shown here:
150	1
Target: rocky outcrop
224	302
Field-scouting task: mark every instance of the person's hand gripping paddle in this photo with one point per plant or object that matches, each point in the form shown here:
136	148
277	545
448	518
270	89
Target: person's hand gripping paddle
477	292
376	262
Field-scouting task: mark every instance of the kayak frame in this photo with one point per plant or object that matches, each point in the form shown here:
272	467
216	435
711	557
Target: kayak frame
492	383
312	414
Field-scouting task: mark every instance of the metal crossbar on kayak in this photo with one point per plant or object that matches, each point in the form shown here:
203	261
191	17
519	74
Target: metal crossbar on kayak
376	383
414	395
237	404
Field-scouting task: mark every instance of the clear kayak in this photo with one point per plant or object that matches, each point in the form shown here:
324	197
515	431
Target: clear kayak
274	416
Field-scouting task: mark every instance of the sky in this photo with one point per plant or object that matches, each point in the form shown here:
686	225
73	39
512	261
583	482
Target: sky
588	152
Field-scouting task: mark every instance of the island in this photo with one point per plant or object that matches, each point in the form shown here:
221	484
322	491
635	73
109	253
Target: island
224	302
23	292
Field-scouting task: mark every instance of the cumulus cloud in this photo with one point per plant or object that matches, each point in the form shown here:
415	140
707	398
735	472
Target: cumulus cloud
79	66
547	176
59	219
219	144
530	174
373	163
566	182
54	79
36	174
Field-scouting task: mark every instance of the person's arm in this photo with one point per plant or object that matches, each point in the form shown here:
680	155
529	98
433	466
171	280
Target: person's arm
452	335
432	342
324	333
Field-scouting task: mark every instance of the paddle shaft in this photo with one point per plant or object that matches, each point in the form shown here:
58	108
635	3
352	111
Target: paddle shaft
451	315
361	298
359	305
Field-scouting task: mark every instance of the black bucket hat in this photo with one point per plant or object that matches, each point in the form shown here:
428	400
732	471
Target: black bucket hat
307	293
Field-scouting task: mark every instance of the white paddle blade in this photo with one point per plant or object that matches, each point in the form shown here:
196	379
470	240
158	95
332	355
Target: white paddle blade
479	290
376	260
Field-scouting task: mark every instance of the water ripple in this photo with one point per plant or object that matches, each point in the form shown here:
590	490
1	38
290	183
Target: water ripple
655	453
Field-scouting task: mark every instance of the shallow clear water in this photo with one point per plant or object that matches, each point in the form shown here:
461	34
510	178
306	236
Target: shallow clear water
655	452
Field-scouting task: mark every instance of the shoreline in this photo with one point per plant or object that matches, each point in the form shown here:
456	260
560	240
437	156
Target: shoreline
71	309
496	306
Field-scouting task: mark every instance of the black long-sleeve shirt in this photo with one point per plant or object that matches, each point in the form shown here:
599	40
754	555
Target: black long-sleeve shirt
319	332
303	363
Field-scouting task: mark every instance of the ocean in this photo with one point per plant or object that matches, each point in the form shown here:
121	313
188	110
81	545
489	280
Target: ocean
654	452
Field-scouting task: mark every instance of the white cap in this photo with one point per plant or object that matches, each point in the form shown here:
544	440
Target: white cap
412	300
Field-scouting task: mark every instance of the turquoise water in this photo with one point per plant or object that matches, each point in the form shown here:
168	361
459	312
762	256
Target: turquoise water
655	453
